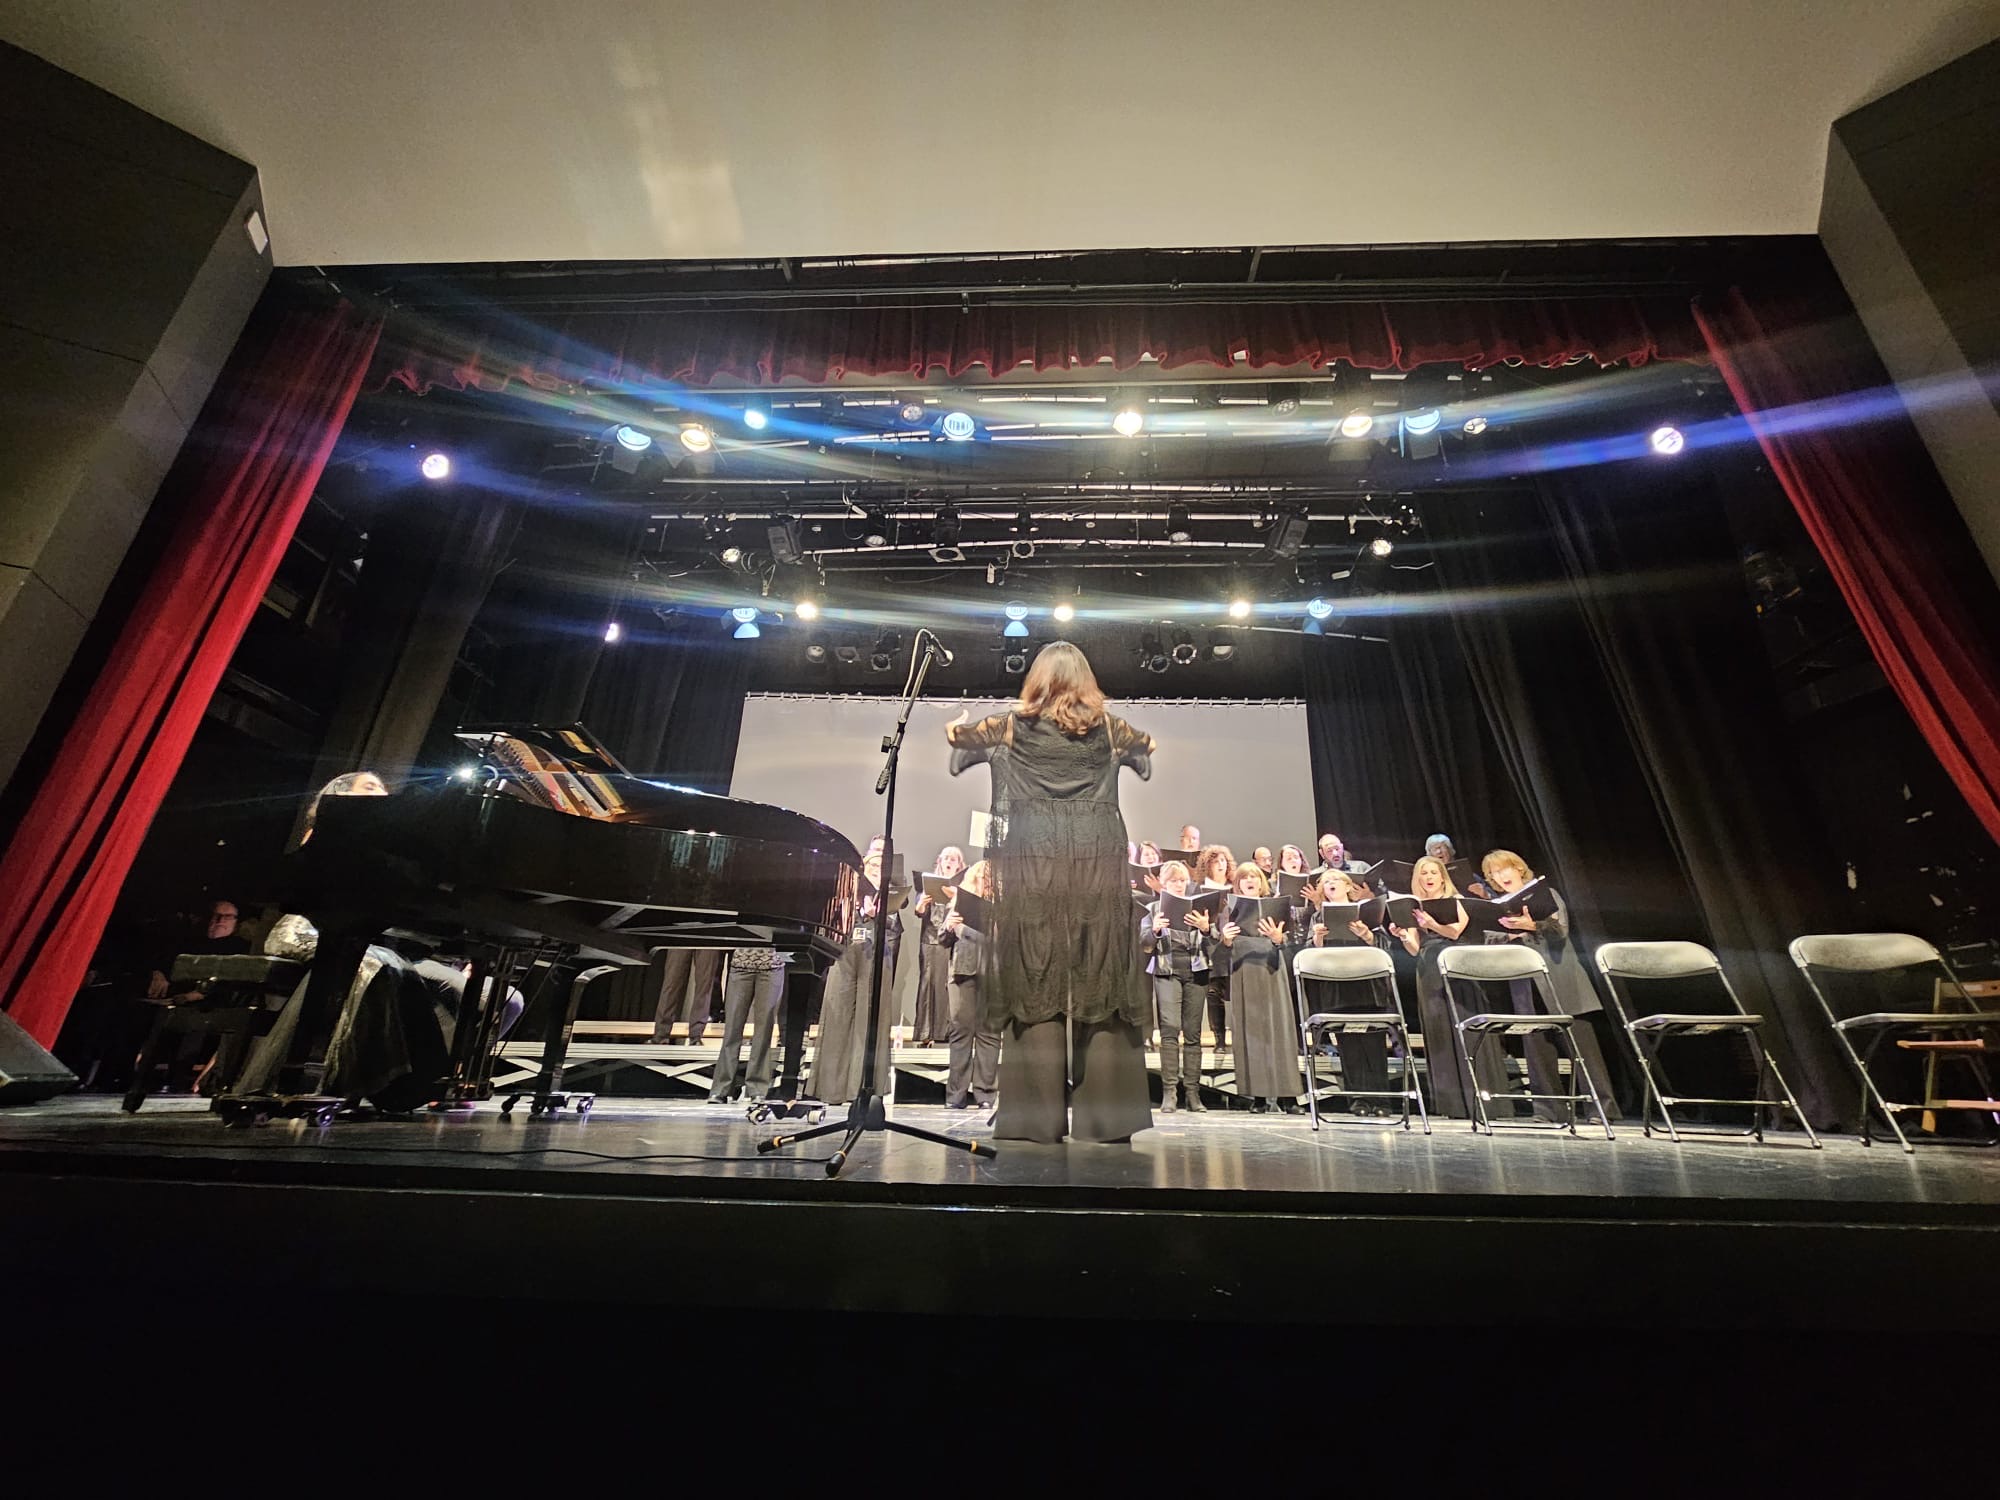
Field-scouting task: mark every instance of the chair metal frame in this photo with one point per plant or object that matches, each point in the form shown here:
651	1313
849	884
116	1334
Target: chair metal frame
1649	1031
1904	951
1494	962
1327	1026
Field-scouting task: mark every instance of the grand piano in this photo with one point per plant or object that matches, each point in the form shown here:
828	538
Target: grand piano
540	855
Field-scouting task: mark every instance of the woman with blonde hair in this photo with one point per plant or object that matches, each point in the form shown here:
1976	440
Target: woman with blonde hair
1444	1060
1064	950
1506	872
1267	1038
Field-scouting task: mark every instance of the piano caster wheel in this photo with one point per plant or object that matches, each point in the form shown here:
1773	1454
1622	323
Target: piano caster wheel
583	1105
759	1113
322	1117
240	1115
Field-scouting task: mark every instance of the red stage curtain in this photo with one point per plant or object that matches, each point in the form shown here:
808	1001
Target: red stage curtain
274	419
759	347
1880	516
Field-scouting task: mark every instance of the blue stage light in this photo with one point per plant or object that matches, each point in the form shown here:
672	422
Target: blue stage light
1320	609
1667	441
756	415
1014	630
631	439
1422	423
744	613
1474	426
746	632
1016	610
958	426
436	466
612	632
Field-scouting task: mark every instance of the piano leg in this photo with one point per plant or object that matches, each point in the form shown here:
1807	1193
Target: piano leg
549	1096
336	962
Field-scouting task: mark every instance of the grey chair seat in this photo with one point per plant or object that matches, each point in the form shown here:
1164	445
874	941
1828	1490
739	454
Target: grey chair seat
1667	1021
1938	1019
1343	963
1386	1020
1517	1024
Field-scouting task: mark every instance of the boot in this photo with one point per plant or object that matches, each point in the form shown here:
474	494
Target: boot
1191	1074
1170	1070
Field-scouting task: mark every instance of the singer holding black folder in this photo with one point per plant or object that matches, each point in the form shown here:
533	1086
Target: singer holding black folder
1175	939
1451	1083
931	1018
1267	1041
1061	975
973	1079
1364	1056
1541	920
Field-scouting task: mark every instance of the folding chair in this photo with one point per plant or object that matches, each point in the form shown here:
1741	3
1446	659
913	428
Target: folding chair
1660	961
1349	965
1493	962
1943	1035
241	994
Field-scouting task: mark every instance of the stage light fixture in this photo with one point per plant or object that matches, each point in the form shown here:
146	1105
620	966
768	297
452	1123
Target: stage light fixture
1064	612
732	557
1024	521
1239	608
467	773
1667	441
958	426
1474	425
1220	648
747	631
806	609
1381	546
911	412
1357	424
436	466
1320	608
876	529
847	653
1153	653
883	657
1289	534
696	438
1284	400
1424	422
783	536
630	438
1184	652
612	633
816	650
756	415
1015	662
1178	526
1130	419
1015	610
1023	548
743	614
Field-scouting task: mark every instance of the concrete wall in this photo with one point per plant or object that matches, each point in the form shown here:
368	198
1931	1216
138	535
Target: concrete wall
126	275
1911	220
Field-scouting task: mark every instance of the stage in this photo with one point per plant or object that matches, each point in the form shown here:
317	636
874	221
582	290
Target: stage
1224	1216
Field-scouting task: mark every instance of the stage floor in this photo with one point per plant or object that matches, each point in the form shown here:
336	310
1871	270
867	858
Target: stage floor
1218	1215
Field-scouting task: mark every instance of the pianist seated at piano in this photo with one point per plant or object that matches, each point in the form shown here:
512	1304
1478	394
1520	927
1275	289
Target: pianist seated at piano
392	1042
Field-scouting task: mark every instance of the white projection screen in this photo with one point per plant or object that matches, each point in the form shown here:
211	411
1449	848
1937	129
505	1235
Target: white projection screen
1239	770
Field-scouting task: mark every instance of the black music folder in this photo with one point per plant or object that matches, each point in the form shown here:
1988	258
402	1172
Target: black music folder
1370	913
1292	886
940	887
1536	898
976	911
1139	872
1177	907
1401	911
1247	911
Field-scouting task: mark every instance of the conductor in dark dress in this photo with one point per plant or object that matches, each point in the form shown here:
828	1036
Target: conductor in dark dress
1062	977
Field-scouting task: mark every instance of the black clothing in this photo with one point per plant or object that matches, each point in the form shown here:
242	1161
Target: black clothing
687	992
843	1036
1064	942
974	1071
1267	1043
752	995
1180	1004
1364	1058
1107	1101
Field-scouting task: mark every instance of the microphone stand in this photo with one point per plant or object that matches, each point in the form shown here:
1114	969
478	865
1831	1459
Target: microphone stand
866	1114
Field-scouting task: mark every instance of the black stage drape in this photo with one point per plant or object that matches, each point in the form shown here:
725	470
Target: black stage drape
547	617
668	699
1663	601
424	579
1367	786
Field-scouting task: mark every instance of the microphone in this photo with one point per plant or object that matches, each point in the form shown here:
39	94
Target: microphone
938	648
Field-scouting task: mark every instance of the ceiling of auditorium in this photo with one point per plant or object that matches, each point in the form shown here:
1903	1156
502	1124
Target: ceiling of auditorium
507	130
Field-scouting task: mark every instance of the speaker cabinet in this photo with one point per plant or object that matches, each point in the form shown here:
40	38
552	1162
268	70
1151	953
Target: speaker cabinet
27	1073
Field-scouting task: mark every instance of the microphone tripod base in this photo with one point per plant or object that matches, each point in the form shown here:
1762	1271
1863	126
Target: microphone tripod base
866	1116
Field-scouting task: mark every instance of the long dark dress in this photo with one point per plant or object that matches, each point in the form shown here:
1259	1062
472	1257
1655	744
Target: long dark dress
843	1038
1576	996
1364	1057
1267	1044
1063	942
